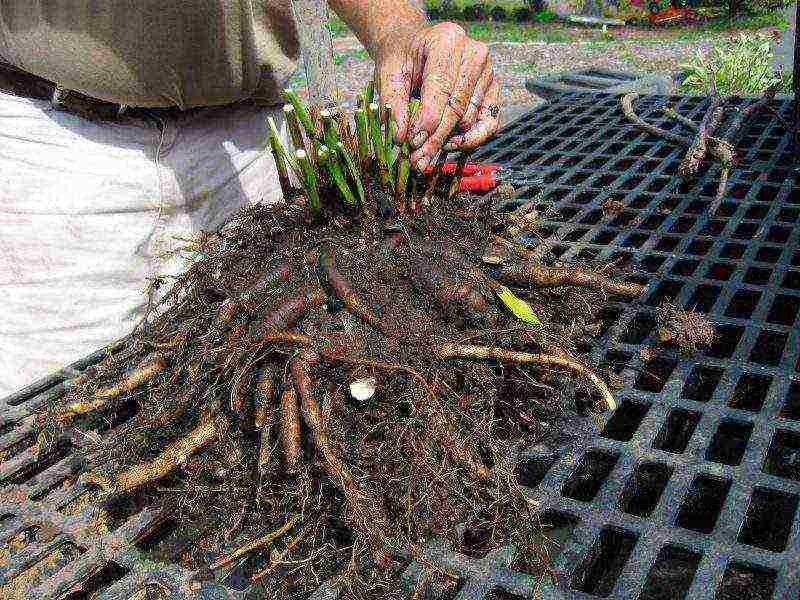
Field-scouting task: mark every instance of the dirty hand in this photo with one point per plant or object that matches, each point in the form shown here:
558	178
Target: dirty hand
453	76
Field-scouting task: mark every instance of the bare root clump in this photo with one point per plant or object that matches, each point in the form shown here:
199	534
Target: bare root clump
332	383
689	331
243	420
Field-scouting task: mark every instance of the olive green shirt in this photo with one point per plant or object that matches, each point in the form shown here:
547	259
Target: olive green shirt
182	53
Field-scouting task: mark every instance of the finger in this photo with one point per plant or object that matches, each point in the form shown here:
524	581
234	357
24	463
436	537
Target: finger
488	121
395	88
475	56
440	69
487	76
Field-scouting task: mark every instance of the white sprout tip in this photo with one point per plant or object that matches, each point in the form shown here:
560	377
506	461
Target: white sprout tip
373	106
301	154
287	108
325	113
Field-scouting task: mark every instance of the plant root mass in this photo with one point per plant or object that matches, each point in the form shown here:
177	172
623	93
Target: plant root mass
243	427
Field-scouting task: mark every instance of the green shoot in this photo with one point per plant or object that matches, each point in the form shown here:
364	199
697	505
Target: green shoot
309	179
302	114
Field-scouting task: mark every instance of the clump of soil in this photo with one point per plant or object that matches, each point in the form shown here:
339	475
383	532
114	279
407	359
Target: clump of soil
689	331
243	423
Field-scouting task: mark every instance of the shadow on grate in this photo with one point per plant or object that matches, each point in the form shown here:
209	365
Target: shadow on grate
692	488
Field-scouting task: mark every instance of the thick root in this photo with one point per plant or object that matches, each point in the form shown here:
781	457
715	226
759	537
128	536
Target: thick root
699	147
313	418
446	351
173	456
290	312
289	429
536	274
101	398
457	297
344	291
263	417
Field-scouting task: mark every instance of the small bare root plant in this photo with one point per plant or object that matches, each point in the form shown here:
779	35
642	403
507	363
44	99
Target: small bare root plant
338	378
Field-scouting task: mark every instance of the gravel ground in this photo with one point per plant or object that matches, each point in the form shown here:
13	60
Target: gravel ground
515	62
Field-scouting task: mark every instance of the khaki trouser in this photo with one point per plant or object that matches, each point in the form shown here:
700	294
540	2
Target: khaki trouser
87	208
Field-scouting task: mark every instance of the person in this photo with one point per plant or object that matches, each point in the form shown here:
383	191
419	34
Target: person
128	126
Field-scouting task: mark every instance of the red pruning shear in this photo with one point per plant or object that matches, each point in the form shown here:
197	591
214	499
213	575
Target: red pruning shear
482	177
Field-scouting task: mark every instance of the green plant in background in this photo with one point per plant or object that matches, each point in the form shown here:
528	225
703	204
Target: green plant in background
740	67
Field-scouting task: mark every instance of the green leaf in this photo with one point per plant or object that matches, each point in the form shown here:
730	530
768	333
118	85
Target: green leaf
521	309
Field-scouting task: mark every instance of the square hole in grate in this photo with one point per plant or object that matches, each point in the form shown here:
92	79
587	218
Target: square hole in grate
733	251
796	258
769	348
726	210
667	290
697	207
677	430
639	202
603	566
653	377
703	504
671	575
743	304
701	383
726	340
757	276
669	205
652	222
604	236
625	421
644	489
623	164
575	234
769	254
631	183
721	271
756	212
750	392
791	280
703	298
779	234
593	217
746	231
651	263
746	582
713	228
667	243
684	268
682	225
769	519
783	457
635	240
789	215
639	328
623	219
531	472
658	184
587	480
791	405
699	247
784	310
729	442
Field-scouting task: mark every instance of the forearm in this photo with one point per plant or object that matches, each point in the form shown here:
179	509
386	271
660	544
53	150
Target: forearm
377	21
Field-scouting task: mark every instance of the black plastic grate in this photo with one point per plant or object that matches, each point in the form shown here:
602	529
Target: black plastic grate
696	477
691	490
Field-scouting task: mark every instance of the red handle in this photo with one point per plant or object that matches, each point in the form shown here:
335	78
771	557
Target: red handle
470	169
478	183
